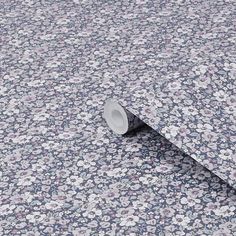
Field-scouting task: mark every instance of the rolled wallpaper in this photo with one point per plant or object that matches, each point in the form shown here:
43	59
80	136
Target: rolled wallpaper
120	120
177	73
168	64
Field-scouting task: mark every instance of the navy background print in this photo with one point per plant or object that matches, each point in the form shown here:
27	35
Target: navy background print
63	172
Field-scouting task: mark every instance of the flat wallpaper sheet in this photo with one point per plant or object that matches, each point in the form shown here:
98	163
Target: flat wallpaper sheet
63	172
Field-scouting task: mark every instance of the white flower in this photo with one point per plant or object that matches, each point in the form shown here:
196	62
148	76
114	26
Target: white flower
7	209
174	85
139	93
101	141
26	180
126	58
51	106
28	197
229	66
11	111
124	212
63	88
133	147
92	213
22	139
36	83
189	201
41	116
117	172
220	96
200	70
53	205
50	145
170	131
81	231
167	212
195	193
53	64
21	225
204	127
230	109
62	21
129	221
148	179
141	205
190	110
75	180
232	174
141	1
35	217
202	81
38	167
93	63
163	168
2	90
85	164
95	198
225	154
85	116
139	41
225	211
222	232
111	193
181	220
66	135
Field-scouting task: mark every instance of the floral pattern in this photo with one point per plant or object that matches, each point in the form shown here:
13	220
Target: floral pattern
63	172
177	65
133	121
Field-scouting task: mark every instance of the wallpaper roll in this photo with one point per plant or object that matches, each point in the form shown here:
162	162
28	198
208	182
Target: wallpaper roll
171	64
120	120
177	71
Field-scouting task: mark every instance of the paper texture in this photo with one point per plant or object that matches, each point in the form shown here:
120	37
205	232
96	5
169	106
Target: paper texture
62	170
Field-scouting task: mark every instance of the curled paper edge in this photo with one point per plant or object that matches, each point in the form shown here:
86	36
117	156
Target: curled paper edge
120	120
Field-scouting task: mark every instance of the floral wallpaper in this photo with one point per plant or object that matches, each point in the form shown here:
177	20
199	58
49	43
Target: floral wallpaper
63	172
177	62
